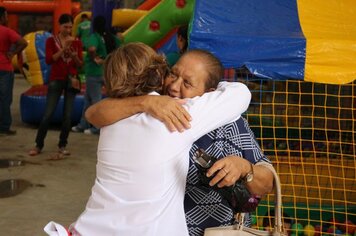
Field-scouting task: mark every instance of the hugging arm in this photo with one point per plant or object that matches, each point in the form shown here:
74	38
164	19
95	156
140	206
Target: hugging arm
166	109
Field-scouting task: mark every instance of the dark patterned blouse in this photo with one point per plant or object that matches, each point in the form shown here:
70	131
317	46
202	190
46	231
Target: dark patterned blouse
203	206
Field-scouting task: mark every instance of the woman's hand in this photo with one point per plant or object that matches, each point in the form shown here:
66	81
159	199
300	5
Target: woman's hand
68	43
98	60
73	52
169	111
229	170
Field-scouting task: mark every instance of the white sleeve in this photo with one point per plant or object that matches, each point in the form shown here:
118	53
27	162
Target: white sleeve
55	229
217	108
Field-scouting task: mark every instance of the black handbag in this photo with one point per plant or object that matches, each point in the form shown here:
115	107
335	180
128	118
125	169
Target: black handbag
237	196
239	230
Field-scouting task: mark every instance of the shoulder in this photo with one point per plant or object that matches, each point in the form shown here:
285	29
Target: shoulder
232	128
8	31
238	126
235	124
5	29
50	39
50	42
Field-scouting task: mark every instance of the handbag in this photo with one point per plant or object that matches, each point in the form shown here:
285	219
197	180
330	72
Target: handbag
238	229
237	195
74	83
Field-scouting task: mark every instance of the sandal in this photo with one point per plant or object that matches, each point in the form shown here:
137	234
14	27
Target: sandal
63	151
34	151
56	157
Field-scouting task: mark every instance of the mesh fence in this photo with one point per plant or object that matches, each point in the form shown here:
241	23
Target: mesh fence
308	131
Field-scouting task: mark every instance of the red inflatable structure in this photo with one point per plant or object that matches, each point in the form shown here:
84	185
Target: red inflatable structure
57	7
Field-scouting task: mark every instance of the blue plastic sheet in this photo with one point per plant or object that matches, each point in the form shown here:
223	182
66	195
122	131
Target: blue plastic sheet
40	41
264	36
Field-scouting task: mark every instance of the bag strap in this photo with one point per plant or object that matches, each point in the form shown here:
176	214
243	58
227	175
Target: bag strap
278	227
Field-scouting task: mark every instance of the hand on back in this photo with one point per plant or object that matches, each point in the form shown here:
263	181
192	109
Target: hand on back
169	111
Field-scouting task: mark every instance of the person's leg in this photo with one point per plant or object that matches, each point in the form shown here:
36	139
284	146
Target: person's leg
55	89
83	124
94	90
69	97
6	90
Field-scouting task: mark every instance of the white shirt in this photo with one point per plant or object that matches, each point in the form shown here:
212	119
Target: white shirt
142	168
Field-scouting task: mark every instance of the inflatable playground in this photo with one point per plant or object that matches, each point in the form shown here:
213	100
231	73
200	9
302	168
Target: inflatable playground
299	60
161	29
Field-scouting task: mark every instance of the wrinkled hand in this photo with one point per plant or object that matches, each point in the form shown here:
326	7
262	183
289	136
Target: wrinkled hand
229	170
169	111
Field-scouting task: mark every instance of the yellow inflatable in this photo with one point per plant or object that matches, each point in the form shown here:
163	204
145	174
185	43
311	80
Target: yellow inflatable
125	18
34	66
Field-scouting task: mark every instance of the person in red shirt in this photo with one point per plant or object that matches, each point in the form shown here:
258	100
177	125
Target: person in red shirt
64	54
11	43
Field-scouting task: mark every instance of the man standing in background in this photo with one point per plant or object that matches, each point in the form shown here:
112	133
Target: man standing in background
11	43
84	30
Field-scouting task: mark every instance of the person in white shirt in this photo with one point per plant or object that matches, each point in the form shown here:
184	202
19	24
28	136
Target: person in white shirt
233	144
142	166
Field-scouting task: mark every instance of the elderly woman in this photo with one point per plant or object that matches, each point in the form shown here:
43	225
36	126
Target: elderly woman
142	166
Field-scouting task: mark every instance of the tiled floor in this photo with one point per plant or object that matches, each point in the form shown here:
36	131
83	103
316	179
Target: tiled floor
59	189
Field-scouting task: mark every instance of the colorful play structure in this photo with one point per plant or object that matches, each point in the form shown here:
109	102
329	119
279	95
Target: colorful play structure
32	62
161	28
298	59
56	7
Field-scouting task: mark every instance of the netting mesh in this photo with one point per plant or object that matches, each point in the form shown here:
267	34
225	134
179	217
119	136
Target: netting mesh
308	131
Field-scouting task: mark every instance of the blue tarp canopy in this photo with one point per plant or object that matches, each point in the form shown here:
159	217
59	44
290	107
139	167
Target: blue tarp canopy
266	37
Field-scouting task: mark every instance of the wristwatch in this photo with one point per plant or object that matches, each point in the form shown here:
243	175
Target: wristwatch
249	177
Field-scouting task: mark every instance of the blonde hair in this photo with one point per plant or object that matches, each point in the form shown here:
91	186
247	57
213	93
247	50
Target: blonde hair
134	69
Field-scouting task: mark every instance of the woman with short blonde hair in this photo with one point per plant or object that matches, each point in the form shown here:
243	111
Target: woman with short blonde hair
141	73
142	166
